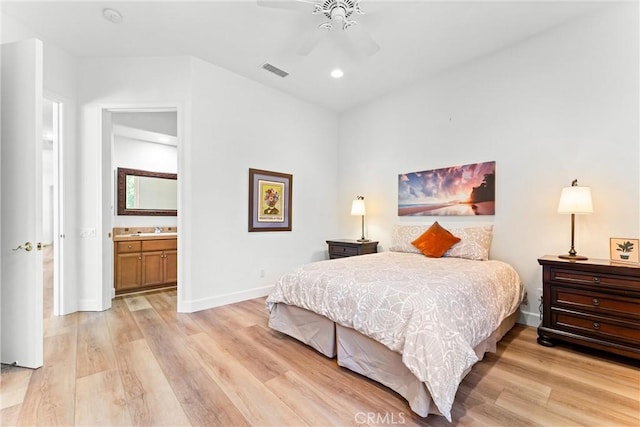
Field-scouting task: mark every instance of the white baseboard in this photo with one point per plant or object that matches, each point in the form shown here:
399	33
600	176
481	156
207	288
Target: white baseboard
219	300
88	305
529	318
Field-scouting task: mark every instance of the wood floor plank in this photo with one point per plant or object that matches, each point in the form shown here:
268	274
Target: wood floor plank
613	378
252	314
310	401
201	398
150	399
55	325
493	415
520	384
567	378
123	328
137	302
164	300
13	385
168	347
164	303
521	404
255	401
95	352
49	399
205	403
100	400
9	416
263	364
590	408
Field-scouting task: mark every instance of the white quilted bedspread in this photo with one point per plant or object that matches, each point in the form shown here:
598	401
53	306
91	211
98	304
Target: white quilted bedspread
432	311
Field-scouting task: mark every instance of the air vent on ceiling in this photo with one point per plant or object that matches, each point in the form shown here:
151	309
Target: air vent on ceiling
275	70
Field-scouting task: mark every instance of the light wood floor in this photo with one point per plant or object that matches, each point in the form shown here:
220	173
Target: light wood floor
141	363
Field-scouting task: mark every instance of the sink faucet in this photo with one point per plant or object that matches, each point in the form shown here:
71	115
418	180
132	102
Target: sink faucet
158	230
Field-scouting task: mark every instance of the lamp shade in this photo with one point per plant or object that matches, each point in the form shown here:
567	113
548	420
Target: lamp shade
357	207
575	200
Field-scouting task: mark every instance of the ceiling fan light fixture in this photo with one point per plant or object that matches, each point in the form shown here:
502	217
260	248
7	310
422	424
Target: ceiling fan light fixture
338	14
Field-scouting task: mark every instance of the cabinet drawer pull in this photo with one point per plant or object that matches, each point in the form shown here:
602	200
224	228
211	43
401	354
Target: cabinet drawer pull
596	280
129	246
596	302
596	325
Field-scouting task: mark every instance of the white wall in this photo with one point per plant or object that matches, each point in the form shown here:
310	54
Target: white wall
145	155
559	106
237	124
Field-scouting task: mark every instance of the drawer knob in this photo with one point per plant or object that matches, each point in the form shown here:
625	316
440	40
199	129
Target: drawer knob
596	280
129	246
596	325
595	302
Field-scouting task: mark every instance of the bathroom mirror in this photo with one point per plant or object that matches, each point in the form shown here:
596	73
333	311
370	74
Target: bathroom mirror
147	193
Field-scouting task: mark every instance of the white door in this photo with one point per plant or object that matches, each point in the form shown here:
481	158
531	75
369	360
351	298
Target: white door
21	203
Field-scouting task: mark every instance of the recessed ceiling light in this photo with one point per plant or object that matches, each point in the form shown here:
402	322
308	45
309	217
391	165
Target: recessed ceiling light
112	15
337	73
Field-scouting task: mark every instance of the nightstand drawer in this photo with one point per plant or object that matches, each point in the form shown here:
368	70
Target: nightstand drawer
601	327
336	250
342	248
584	278
596	302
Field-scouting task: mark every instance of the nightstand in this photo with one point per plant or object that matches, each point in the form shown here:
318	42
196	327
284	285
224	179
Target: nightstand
595	303
342	248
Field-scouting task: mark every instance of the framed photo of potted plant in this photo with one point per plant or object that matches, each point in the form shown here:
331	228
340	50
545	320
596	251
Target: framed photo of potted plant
269	200
622	249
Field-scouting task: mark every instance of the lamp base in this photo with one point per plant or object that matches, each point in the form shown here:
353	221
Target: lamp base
363	240
573	257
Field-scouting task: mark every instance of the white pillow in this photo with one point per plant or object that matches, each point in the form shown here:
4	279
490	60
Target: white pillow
474	243
403	235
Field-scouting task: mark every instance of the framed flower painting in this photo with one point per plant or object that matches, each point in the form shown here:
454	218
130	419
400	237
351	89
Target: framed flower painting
269	200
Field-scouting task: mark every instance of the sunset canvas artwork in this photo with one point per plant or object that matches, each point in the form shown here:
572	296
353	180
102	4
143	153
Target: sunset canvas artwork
456	190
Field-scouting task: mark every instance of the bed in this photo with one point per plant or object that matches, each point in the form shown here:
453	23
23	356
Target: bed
415	324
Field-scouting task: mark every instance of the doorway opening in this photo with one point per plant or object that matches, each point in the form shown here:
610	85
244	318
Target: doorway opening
141	138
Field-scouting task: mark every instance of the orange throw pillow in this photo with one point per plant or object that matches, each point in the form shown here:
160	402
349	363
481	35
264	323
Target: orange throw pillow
435	241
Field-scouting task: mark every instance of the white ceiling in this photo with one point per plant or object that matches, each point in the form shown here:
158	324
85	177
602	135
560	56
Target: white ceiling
417	38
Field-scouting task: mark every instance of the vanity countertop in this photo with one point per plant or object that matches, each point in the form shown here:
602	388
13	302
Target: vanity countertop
143	233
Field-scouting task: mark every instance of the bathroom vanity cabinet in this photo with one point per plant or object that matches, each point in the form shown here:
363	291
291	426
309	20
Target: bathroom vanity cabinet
145	262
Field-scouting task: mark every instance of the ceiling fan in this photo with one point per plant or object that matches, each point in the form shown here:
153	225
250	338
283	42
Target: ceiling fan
340	13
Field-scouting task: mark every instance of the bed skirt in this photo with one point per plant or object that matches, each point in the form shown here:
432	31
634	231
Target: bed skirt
366	356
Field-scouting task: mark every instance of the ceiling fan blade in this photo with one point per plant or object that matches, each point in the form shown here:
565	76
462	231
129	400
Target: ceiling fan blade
301	5
311	41
363	40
